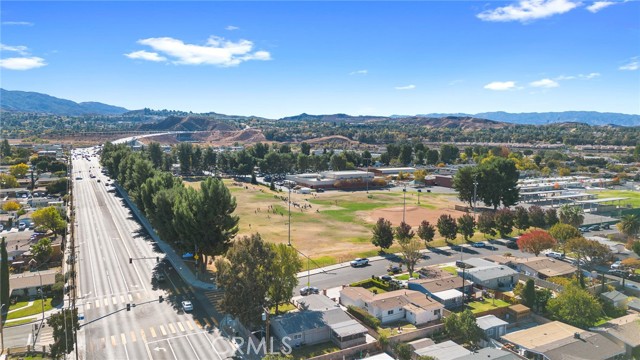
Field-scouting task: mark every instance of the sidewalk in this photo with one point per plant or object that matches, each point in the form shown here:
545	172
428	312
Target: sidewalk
371	259
176	260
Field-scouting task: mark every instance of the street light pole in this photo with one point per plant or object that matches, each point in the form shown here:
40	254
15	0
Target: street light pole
1	330
419	192
404	202
367	178
475	191
289	215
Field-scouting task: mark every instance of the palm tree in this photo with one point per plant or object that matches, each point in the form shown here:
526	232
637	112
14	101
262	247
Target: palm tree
629	225
571	215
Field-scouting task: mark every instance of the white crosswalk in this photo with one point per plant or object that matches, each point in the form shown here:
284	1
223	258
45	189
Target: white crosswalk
149	334
113	300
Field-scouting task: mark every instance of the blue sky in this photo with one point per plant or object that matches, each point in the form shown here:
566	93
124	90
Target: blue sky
276	59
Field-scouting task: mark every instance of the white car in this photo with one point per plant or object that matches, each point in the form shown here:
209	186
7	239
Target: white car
616	265
359	262
187	306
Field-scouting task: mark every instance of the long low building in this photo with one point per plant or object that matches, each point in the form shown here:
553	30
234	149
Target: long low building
328	179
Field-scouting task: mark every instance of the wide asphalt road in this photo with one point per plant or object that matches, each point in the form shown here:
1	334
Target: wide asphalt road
107	236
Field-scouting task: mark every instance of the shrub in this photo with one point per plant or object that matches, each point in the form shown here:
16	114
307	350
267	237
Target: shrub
362	315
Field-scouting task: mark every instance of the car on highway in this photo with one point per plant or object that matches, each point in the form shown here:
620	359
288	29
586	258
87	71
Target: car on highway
187	306
479	244
309	290
98	180
358	262
78	177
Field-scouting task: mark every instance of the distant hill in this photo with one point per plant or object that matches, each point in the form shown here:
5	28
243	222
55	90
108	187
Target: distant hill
464	122
338	118
189	123
585	117
23	101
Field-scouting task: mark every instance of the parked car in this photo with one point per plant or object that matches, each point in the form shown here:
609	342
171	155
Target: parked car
584	229
606	226
394	269
187	306
22	226
479	244
308	290
594	228
461	264
618	272
386	278
616	265
512	245
358	262
555	255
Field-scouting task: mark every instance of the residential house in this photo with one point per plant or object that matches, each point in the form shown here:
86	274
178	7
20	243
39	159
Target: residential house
445	288
544	267
400	305
624	331
319	320
490	354
615	298
491	276
559	341
27	284
492	326
381	356
447	350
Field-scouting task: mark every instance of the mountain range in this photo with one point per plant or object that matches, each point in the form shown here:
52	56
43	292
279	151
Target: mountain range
21	101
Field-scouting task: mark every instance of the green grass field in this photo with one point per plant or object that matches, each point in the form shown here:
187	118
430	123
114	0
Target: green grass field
34	309
487	304
634	196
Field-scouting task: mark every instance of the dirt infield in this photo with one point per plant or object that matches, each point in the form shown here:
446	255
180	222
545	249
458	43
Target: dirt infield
413	215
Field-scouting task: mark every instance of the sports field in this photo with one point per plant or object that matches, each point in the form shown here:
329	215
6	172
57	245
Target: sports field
333	226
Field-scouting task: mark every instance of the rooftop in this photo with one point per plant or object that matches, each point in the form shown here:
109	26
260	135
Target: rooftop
447	350
590	346
542	335
491	272
491	354
447	282
489	321
548	266
316	302
626	329
299	321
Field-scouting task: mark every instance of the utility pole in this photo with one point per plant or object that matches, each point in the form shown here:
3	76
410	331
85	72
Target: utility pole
475	191
289	215
404	202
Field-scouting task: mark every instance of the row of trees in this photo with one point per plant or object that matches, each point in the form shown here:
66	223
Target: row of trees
199	221
494	182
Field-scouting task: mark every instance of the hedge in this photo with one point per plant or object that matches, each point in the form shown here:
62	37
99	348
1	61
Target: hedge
362	315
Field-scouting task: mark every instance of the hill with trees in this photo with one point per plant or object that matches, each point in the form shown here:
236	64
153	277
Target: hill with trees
23	101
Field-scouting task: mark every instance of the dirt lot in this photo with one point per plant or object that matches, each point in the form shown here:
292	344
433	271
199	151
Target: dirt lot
332	226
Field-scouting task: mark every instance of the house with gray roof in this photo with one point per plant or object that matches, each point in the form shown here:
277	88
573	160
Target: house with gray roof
490	354
624	331
492	326
493	276
615	298
318	321
447	350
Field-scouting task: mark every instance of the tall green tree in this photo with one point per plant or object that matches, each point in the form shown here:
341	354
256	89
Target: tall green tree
498	182
447	227
285	267
42	250
410	250
504	221
5	148
551	217
529	294
155	154
463	327
629	225
64	324
536	216
432	156
463	184
4	276
185	151
572	215
426	232
466	226
382	234
576	307
449	153
563	233
246	276
305	148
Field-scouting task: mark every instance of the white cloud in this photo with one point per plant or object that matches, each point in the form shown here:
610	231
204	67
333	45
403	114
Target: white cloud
231	28
599	5
528	10
589	76
545	83
22	63
501	85
145	55
407	87
359	72
22	23
22	50
634	64
565	77
217	51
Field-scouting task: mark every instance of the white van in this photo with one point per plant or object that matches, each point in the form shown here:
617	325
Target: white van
555	255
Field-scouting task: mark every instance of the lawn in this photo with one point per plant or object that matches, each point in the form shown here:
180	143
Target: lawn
17	322
34	309
634	196
306	352
392	329
406	276
283	308
486	305
450	269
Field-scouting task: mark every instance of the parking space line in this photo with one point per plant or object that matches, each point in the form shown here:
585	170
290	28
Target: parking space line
130	297
106	301
122	299
113	298
192	348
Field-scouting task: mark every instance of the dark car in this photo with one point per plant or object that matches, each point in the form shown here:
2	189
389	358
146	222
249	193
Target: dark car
386	278
308	290
606	226
595	228
618	272
394	269
512	245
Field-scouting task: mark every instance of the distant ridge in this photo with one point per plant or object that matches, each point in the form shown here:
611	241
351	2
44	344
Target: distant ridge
543	118
23	101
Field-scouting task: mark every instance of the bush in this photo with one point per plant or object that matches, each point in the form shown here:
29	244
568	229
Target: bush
373	282
362	315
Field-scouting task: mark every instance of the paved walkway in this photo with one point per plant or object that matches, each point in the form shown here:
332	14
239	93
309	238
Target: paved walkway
20	308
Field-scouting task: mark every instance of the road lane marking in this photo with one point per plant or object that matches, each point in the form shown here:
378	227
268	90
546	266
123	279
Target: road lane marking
172	328
163	331
189	325
106	301
192	348
213	346
180	326
115	302
143	336
97	303
123	337
173	352
133	336
87	306
153	332
130	297
113	340
122	299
